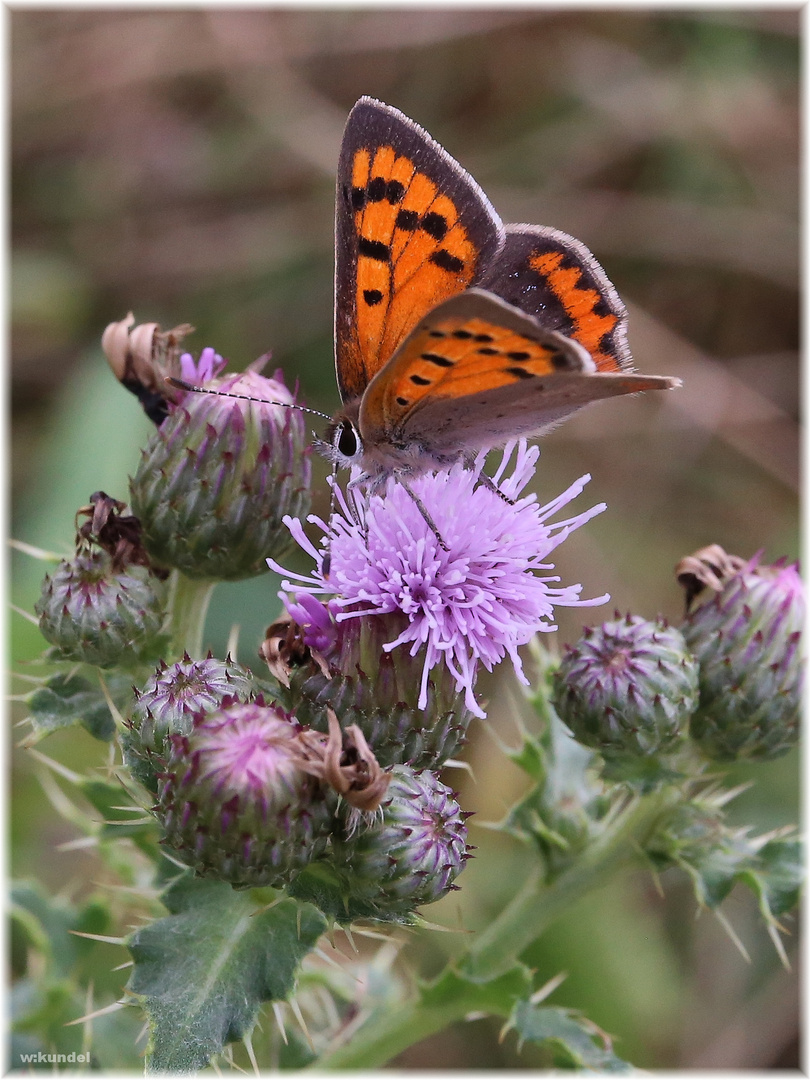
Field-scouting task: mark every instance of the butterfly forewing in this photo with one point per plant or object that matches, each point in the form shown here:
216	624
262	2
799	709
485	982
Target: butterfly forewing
553	276
412	229
469	344
477	371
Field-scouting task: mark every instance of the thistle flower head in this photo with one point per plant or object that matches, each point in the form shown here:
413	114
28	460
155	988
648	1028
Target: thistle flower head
407	854
627	687
168	703
219	474
473	597
747	639
95	612
239	799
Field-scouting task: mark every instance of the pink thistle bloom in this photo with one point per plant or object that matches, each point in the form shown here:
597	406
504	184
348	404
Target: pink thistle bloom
476	602
206	368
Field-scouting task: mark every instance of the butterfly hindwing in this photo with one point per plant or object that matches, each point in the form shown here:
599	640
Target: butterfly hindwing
412	229
553	276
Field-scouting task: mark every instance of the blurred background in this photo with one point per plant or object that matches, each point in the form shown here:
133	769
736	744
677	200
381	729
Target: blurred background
180	164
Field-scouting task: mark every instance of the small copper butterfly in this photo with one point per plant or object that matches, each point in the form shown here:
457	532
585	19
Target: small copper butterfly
453	331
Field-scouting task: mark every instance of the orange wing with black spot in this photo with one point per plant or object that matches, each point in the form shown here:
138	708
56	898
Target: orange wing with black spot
554	277
412	229
476	371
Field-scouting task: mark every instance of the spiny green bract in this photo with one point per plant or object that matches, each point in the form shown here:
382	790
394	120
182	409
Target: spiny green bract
379	691
408	854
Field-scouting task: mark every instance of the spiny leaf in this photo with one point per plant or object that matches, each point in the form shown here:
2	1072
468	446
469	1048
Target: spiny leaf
66	700
777	876
572	1040
203	971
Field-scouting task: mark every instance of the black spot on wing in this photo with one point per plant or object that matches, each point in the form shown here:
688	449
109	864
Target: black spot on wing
407	220
374	249
358	197
376	189
435	358
562	362
520	373
434	225
447	261
419	380
372	296
395	192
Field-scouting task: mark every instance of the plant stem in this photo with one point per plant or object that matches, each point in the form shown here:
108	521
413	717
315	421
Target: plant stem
188	605
497	949
537	905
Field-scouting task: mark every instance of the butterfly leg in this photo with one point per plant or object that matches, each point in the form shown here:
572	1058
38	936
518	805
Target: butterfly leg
423	510
489	483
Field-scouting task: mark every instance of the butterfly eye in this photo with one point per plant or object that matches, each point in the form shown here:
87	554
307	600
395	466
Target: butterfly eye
346	440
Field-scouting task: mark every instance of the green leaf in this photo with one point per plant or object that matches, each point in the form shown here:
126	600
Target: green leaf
65	700
498	996
777	877
46	925
203	971
44	1012
561	813
573	1041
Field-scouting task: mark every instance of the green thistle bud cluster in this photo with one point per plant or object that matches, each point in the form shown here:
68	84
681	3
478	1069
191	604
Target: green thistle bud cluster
94	612
369	687
240	800
168	703
219	474
747	640
627	688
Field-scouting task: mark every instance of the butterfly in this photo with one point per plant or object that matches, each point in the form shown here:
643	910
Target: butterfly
453	331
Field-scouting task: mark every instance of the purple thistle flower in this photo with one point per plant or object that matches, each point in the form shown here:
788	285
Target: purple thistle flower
476	602
240	798
206	368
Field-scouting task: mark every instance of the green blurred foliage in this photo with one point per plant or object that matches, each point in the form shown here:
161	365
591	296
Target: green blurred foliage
180	164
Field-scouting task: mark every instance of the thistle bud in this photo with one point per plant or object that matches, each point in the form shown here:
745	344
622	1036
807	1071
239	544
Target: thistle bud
344	666
411	853
239	801
218	476
627	688
167	706
747	638
96	613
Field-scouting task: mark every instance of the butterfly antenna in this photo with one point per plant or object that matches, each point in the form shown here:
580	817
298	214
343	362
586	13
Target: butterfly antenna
182	385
